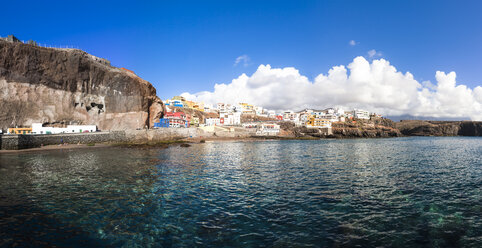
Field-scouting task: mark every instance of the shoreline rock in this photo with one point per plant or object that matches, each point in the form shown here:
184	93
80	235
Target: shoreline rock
440	128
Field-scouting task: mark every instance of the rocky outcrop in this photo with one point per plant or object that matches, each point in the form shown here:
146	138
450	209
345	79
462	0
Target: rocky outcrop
375	128
50	85
440	128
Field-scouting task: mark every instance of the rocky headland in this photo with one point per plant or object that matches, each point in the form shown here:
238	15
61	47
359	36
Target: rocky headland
69	86
439	128
375	128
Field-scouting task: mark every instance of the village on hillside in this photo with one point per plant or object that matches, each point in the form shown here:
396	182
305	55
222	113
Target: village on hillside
246	115
181	113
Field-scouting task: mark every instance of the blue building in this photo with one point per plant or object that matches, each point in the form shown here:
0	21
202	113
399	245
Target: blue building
163	122
177	103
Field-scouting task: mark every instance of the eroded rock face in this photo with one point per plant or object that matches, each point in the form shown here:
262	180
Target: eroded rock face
71	86
440	128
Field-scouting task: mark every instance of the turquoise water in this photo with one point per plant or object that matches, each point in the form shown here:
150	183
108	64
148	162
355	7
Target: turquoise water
400	192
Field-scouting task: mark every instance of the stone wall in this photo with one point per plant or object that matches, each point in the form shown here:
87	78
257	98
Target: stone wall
16	142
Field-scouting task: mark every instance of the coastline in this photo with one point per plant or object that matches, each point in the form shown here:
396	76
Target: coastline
163	138
163	144
152	145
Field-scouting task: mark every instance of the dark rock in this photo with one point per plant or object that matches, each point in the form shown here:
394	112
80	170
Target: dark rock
64	85
440	128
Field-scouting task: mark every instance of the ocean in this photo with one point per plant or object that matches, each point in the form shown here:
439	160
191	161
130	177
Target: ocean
396	192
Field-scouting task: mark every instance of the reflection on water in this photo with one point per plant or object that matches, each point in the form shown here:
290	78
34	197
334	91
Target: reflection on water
404	192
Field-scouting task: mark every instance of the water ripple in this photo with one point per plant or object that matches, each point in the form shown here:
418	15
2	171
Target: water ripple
404	192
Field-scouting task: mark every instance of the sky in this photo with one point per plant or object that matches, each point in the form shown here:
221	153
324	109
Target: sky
394	57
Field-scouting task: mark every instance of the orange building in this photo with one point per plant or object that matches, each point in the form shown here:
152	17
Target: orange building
20	130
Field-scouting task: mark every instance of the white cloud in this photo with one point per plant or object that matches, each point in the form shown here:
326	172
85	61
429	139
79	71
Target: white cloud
373	53
375	86
242	59
352	43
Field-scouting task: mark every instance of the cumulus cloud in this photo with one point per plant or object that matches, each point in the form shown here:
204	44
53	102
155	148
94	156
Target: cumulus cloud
244	59
376	86
373	53
352	43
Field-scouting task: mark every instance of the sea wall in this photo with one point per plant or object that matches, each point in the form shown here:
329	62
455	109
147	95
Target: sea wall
17	142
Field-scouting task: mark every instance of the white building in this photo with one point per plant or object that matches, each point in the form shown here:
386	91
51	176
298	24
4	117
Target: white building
259	110
230	118
213	122
361	114
348	114
268	129
208	108
38	129
250	125
271	113
291	116
221	107
304	117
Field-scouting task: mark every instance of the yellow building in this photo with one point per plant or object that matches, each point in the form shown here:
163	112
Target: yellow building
199	106
247	108
20	130
318	122
189	104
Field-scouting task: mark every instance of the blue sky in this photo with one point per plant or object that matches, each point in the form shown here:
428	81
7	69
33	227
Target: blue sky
184	46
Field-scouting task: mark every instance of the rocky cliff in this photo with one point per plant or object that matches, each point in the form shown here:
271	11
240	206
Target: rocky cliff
440	128
65	86
374	128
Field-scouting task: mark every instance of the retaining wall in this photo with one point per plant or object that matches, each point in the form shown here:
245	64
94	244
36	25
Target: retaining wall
16	142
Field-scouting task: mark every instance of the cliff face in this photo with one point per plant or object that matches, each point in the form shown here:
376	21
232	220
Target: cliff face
375	128
71	86
440	128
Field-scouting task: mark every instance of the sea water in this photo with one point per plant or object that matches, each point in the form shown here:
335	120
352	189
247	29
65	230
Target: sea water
398	192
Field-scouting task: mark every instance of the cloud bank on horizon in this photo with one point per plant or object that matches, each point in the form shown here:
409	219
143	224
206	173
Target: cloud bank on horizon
376	86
